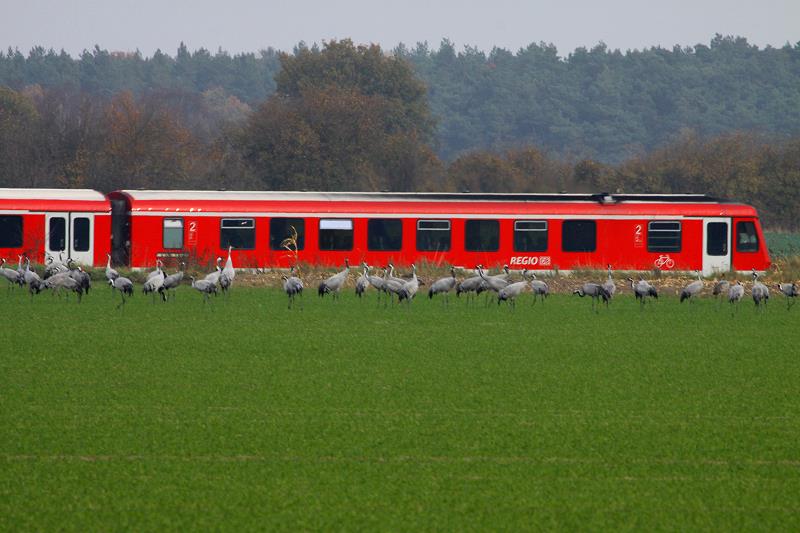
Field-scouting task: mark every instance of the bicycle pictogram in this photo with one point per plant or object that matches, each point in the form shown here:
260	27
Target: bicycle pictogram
664	262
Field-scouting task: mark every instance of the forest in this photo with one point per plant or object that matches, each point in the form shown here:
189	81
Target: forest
721	118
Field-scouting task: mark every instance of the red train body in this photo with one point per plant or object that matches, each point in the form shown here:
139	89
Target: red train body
534	231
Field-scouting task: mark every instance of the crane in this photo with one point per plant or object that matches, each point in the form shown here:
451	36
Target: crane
124	286
292	286
790	291
362	283
335	283
444	286
759	291
228	273
510	292
32	279
539	287
12	276
111	274
155	284
609	285
204	286
173	281
595	291
410	287
735	294
643	290
692	289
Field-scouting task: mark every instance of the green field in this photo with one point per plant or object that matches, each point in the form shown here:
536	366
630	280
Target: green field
244	415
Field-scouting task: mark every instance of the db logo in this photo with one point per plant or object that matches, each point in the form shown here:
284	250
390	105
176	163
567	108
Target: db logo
530	261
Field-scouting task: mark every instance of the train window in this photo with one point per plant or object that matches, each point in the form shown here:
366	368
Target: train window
746	237
482	236
579	236
335	234
173	233
717	238
433	235
664	236
80	234
280	229
384	234
530	235
57	236
237	232
10	231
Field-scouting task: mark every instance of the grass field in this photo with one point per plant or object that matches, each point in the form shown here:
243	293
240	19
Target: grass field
347	415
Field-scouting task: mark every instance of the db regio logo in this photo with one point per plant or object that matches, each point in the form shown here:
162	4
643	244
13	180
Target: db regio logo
523	260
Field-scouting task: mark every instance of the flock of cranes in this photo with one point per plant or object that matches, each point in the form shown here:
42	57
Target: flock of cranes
60	276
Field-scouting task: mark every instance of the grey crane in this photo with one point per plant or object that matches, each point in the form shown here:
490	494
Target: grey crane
54	266
759	291
392	277
392	285
228	273
643	290
12	276
595	291
469	285
213	277
692	289
292	286
410	287
721	287
493	283
21	269
63	282
111	274
204	286
377	282
735	294
790	291
32	279
157	271
540	288
334	283
510	292
77	273
362	283
173	281
443	286
124	286
155	285
609	285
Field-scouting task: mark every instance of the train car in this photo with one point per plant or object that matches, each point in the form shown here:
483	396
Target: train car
534	231
66	223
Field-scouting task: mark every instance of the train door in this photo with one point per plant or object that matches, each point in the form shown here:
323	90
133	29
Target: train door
81	245
716	245
57	235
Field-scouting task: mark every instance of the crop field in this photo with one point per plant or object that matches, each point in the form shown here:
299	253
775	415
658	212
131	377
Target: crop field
241	414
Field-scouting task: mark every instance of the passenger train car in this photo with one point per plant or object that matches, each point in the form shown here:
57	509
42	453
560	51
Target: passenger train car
534	231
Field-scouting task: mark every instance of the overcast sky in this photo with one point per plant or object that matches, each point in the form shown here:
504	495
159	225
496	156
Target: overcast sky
237	25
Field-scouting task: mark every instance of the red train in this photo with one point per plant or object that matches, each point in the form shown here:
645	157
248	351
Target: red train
534	231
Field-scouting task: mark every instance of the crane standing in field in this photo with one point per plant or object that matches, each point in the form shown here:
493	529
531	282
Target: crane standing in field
12	276
334	283
443	286
609	284
595	291
83	278
204	286
692	289
63	282
377	282
510	292
213	277
32	279
111	274
735	294
540	288
124	286
228	273
154	285
157	271
469	285
293	287
54	266
362	283
494	283
173	281
410	287
790	291
759	291
643	290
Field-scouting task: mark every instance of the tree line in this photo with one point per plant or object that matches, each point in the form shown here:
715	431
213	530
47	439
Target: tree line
347	117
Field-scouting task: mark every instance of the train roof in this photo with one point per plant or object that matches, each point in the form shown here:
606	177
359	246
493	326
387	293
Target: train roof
427	203
53	200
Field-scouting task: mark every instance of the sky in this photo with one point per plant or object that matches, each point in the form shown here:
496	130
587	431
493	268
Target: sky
249	26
